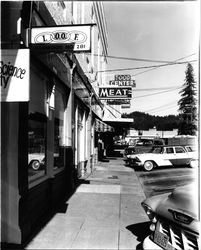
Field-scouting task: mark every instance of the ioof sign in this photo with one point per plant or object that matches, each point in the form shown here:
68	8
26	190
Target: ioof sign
80	35
115	92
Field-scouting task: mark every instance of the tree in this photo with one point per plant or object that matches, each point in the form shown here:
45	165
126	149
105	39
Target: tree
187	104
144	121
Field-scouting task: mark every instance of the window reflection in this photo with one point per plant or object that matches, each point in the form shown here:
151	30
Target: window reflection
59	156
36	146
37	129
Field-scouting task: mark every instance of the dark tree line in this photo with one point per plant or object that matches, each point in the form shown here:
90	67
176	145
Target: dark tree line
186	122
144	121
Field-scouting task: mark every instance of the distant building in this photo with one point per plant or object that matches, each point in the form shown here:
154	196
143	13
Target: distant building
153	132
169	136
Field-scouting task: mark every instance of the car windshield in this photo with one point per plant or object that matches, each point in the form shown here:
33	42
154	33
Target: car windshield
156	150
130	150
144	142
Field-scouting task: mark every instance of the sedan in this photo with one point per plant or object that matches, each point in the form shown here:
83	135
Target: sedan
174	217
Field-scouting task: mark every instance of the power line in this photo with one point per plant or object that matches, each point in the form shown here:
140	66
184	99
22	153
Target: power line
134	59
160	66
157	93
110	111
114	109
151	89
145	67
164	108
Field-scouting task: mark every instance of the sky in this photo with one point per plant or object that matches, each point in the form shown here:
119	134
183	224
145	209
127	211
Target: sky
157	31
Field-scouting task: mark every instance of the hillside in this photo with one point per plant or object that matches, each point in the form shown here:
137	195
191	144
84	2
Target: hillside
143	121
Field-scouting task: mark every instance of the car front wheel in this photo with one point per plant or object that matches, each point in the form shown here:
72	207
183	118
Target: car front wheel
35	165
148	165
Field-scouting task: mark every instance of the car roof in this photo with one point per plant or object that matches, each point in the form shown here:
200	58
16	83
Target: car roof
156	146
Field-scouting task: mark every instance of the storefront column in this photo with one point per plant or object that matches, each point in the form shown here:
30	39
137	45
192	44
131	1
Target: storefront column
69	128
10	197
70	111
83	144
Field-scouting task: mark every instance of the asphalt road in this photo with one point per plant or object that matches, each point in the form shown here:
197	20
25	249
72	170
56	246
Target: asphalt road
164	180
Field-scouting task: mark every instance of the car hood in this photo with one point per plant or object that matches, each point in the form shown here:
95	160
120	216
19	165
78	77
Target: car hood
143	155
181	206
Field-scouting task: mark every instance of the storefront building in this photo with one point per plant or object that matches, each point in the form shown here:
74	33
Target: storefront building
49	107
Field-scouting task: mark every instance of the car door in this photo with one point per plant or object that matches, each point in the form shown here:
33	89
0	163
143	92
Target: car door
169	156
182	155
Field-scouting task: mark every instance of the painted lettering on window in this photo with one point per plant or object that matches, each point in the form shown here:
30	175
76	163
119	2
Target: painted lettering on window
8	70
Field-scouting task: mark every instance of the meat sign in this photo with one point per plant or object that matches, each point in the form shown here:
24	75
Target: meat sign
115	92
119	91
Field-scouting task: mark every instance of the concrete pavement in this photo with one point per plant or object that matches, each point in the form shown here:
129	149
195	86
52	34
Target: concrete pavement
105	213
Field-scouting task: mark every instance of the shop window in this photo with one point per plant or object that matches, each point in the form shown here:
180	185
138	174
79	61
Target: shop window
37	129
59	150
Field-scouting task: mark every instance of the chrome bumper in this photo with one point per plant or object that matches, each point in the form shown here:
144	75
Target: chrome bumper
148	244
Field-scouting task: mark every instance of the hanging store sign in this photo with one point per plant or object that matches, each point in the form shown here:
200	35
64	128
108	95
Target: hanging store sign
14	72
115	92
125	106
123	80
62	36
118	101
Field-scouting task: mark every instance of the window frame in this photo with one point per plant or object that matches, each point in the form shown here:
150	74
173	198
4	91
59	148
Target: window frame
38	177
179	147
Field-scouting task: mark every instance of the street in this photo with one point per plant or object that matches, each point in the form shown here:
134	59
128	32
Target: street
164	180
105	212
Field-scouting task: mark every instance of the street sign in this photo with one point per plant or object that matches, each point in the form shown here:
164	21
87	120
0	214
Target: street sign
115	92
79	35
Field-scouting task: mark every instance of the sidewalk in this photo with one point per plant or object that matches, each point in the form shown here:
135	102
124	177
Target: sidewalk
104	214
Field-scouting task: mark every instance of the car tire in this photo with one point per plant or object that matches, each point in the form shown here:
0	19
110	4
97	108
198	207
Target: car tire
193	164
148	165
35	165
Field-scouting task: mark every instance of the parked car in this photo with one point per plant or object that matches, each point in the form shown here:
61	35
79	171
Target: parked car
36	160
133	150
141	146
119	148
174	220
164	156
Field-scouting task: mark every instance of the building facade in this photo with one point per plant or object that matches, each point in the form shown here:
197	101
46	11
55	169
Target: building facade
49	109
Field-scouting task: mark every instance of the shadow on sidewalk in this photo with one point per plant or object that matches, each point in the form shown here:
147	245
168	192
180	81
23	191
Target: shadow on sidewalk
141	230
